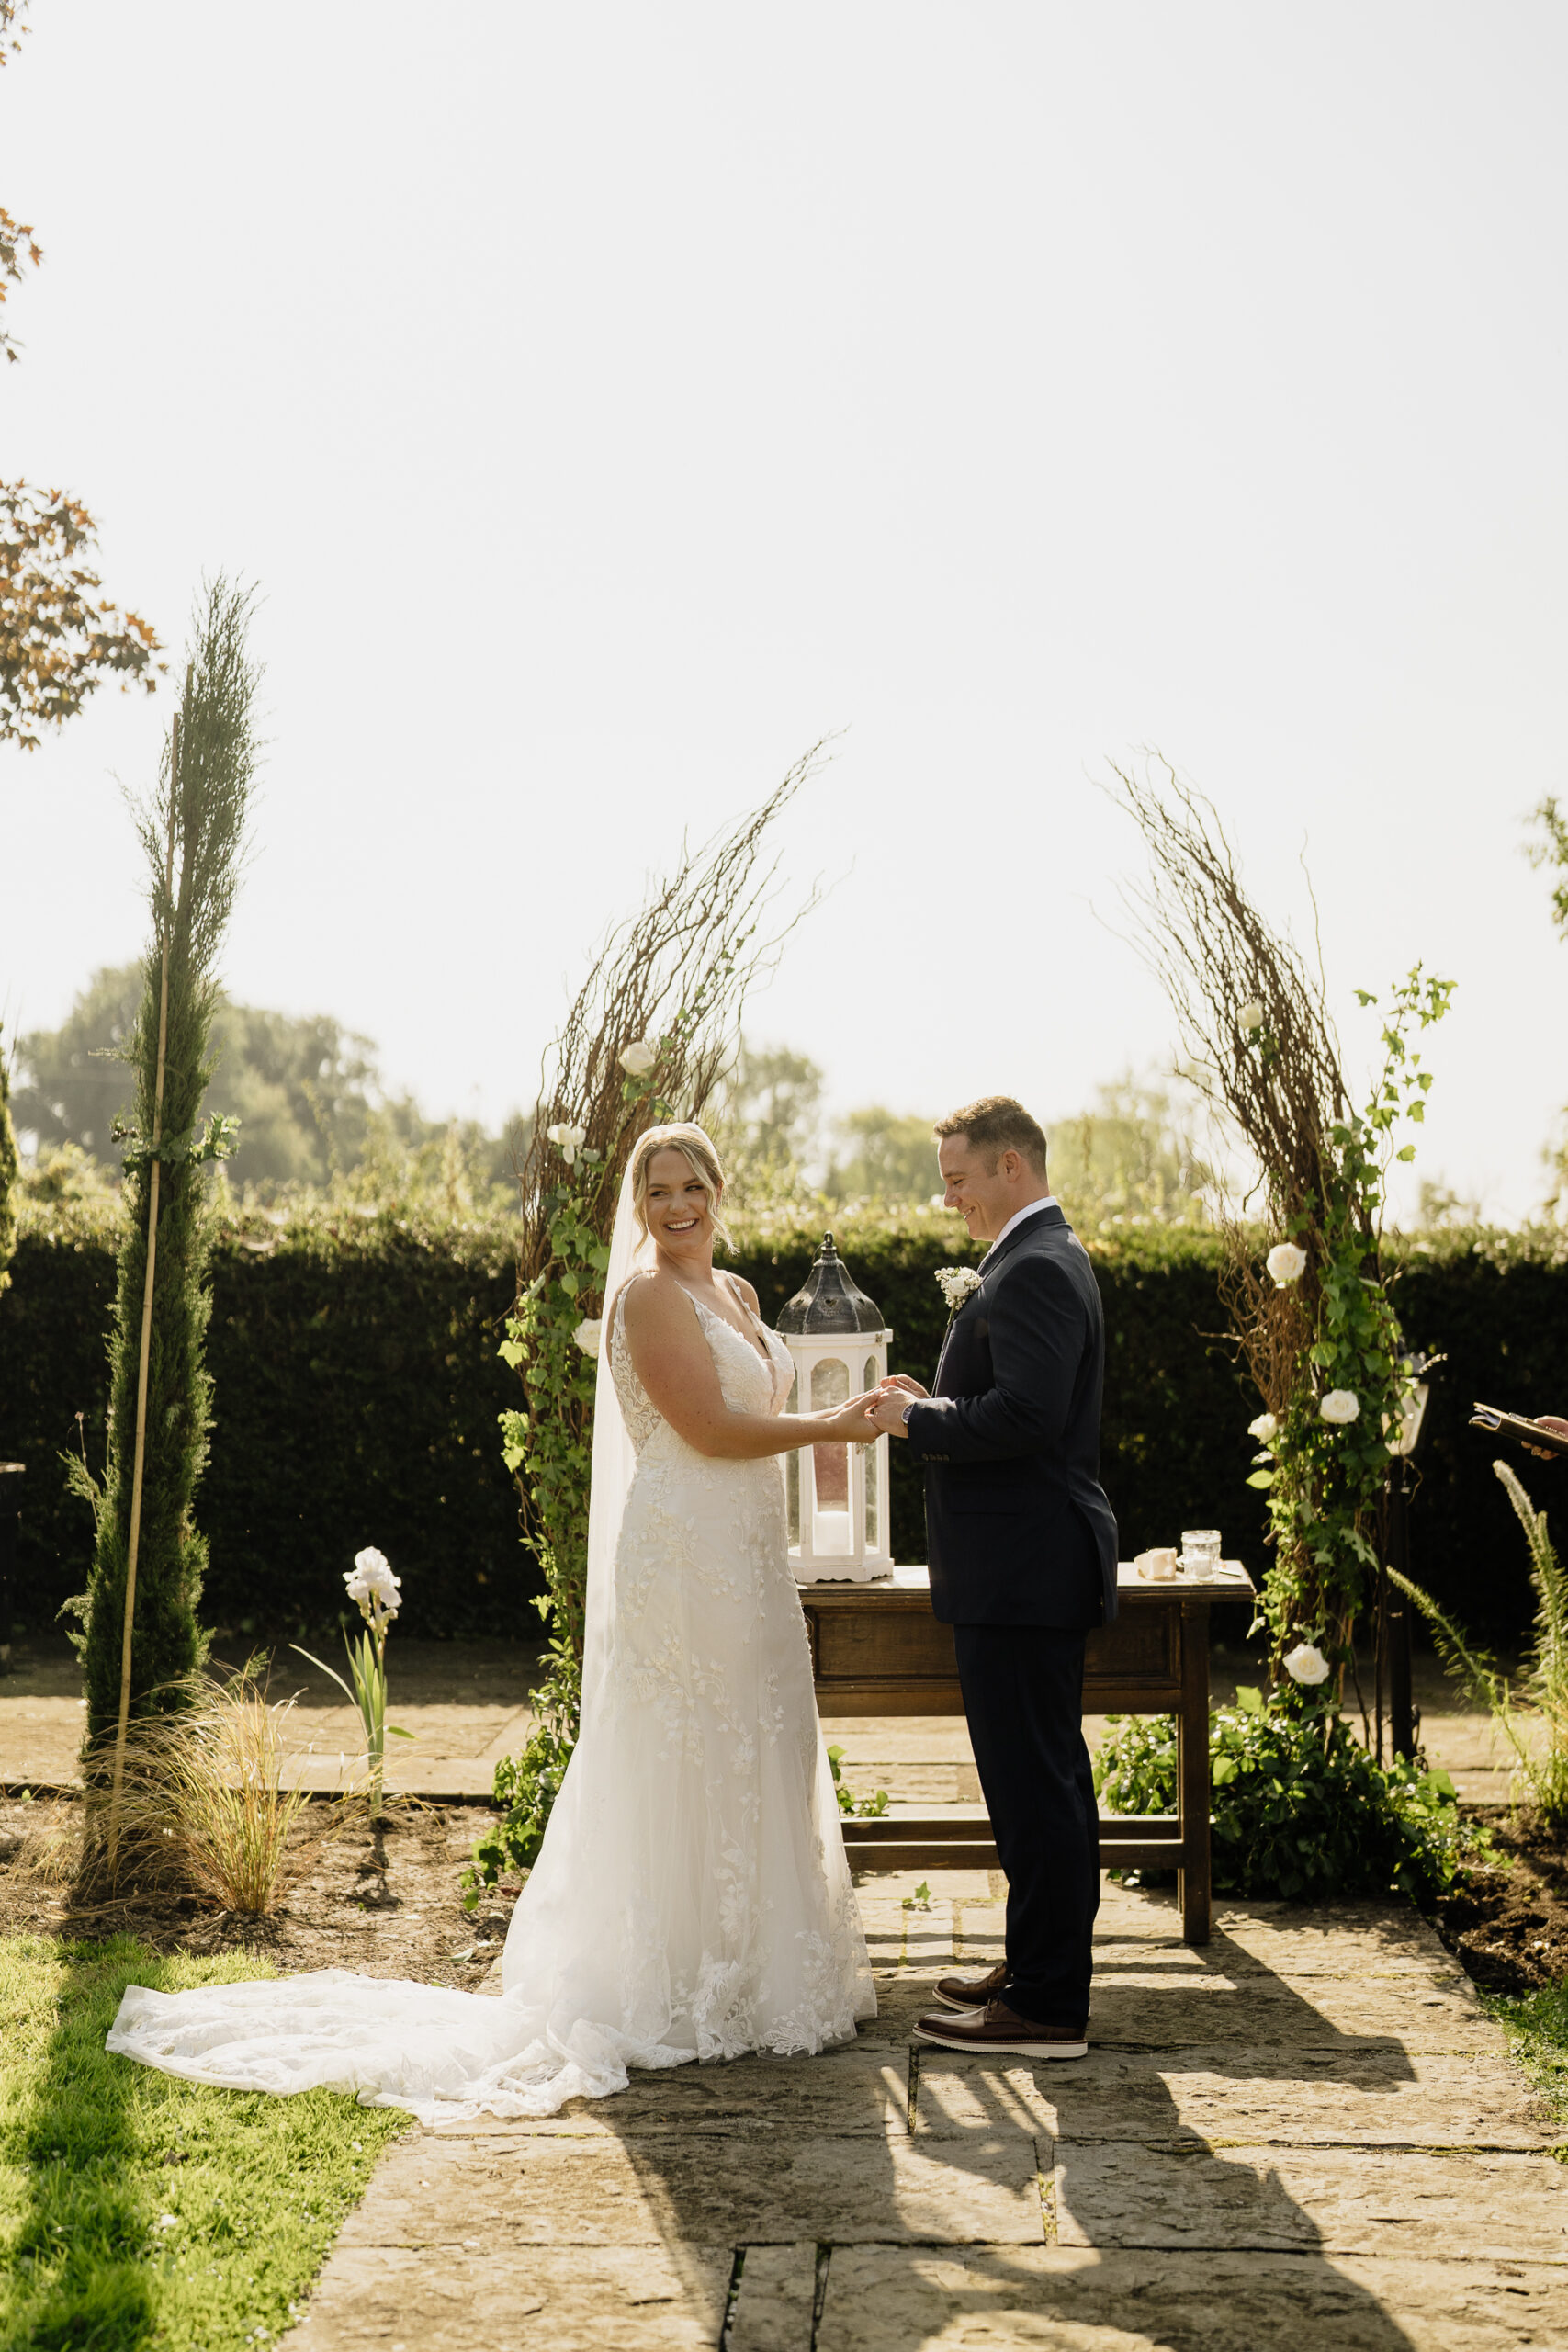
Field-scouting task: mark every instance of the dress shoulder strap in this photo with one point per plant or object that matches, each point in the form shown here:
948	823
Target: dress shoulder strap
614	1313
733	1285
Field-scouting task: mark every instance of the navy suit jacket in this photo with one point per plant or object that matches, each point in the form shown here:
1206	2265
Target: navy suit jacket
1015	1513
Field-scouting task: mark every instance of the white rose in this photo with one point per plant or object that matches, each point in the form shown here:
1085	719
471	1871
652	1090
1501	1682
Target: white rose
568	1140
1340	1405
957	1283
1287	1263
639	1059
587	1335
1250	1017
1265	1427
1306	1664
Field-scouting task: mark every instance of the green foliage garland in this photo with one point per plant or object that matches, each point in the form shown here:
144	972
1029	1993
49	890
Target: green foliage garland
548	1446
1301	1810
1325	1478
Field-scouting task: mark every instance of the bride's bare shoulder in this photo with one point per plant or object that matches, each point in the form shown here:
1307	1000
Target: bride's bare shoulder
654	1301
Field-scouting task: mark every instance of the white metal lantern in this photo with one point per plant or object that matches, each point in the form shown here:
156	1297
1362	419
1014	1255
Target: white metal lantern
837	1494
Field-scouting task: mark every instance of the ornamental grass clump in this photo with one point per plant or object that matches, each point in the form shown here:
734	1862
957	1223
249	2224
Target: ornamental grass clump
1536	1703
202	1804
1301	1811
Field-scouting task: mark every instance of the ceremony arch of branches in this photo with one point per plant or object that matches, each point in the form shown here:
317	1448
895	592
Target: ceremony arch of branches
1261	1050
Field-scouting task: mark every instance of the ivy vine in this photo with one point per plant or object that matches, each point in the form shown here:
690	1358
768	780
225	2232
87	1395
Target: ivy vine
1324	1459
551	1340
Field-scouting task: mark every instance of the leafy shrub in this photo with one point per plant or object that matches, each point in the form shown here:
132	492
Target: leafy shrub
1301	1810
526	1788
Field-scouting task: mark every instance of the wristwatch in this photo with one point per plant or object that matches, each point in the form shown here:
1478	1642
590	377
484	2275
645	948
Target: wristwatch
904	1416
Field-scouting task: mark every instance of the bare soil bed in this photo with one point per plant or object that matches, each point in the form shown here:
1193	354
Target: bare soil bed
1506	1920
382	1896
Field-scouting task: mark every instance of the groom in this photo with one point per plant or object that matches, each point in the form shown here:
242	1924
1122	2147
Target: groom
1022	1553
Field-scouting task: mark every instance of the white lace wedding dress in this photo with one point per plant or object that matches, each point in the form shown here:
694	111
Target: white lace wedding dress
692	1899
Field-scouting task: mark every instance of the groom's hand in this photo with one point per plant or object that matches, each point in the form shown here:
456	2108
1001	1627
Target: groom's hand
890	1407
903	1383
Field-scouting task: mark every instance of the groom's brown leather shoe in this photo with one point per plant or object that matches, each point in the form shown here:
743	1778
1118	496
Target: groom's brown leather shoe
972	1991
995	2027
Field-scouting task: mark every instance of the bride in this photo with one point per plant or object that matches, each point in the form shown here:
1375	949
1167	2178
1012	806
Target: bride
691	1899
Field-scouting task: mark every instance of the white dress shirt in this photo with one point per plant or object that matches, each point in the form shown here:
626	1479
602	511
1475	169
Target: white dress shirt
1033	1209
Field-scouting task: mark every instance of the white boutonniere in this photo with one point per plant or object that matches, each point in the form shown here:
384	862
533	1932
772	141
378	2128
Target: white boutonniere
958	1282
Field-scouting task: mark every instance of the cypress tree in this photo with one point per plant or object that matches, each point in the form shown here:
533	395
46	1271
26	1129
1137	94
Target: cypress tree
141	1638
7	1174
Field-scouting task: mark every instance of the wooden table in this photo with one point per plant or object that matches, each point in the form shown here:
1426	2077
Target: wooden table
877	1650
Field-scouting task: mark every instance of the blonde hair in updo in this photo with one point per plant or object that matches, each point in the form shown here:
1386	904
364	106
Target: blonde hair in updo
700	1157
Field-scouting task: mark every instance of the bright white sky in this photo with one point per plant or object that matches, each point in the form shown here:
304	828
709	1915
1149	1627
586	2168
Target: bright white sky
610	400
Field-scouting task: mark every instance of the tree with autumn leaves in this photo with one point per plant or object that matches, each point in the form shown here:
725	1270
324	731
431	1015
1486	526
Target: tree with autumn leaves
59	637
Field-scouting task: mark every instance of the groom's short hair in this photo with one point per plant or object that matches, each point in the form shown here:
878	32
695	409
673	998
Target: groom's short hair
996	1123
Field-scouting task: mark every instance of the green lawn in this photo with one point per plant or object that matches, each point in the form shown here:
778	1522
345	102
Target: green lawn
136	2209
1538	2026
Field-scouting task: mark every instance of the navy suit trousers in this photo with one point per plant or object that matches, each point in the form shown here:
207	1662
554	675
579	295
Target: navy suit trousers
1023	1696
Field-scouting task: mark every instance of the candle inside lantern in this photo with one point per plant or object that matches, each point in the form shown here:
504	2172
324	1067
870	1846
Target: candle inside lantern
830	1534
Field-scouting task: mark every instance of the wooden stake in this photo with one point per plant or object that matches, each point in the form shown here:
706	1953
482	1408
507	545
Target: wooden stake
138	1453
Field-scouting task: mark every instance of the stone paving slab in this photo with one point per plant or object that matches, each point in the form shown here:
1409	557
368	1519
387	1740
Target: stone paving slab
1069	2300
1147	2009
1343	2200
1386	2099
1223	1957
894	1740
1330	1939
581	2299
439	2188
1295	1938
862	2089
465	1707
775	2297
1170	2006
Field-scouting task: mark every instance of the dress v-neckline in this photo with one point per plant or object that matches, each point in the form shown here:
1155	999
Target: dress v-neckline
757	1347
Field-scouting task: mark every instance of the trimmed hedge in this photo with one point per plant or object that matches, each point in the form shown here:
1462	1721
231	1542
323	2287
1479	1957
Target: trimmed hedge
356	1390
355	1393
